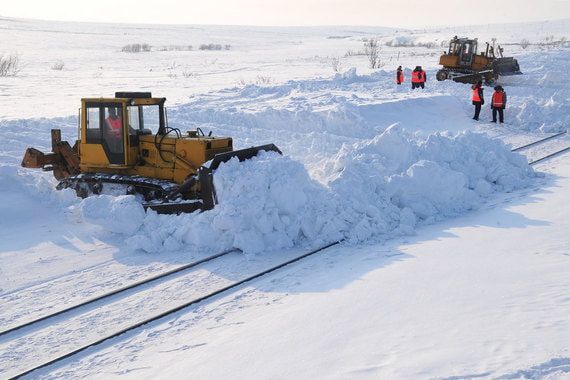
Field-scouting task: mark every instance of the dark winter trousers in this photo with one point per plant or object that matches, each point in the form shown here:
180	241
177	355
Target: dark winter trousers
477	111
416	85
495	114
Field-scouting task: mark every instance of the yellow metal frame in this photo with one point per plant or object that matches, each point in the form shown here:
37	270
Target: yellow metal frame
177	158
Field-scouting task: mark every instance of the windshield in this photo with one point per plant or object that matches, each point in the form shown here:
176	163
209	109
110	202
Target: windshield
145	119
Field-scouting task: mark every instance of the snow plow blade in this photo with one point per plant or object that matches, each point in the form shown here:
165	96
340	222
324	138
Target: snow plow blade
506	66
242	154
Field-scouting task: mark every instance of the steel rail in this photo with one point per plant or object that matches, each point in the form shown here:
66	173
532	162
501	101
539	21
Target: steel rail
118	291
538	141
534	162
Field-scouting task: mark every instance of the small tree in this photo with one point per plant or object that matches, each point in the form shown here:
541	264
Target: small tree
336	64
372	51
9	65
58	65
524	43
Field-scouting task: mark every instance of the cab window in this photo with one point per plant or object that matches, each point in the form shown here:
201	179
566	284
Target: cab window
144	120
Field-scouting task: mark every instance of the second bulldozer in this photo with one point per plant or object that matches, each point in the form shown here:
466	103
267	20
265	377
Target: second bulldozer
461	63
125	146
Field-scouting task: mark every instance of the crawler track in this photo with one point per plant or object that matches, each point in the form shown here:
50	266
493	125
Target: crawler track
175	309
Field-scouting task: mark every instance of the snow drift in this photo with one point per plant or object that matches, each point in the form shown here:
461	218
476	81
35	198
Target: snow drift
376	188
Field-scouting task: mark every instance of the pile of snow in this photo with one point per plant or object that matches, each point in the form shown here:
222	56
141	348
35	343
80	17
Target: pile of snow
376	188
39	187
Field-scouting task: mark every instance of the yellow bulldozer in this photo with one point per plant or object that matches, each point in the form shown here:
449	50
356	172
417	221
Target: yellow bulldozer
461	63
125	146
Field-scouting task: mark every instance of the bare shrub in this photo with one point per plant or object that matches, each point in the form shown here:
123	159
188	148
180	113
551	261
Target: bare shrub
336	64
259	80
175	48
352	53
187	74
427	45
210	47
58	65
9	65
263	79
172	70
409	43
372	51
524	43
136	48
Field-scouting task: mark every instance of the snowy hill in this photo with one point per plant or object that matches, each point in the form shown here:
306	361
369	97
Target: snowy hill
454	256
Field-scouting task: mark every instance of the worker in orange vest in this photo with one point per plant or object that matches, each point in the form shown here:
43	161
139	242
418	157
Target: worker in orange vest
418	78
114	123
399	75
498	103
477	98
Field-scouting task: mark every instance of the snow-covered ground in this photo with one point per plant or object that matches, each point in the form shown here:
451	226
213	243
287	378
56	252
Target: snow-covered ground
454	262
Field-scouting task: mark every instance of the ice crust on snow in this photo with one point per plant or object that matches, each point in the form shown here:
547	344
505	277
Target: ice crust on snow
376	188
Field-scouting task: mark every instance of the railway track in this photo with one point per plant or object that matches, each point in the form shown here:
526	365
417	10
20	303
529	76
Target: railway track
541	142
537	142
19	331
116	292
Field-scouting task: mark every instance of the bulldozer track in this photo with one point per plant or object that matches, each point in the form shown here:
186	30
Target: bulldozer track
118	291
171	311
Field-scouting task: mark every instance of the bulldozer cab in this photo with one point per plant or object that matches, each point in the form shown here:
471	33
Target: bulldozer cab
465	49
111	127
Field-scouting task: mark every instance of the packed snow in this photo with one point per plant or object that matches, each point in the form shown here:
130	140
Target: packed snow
364	161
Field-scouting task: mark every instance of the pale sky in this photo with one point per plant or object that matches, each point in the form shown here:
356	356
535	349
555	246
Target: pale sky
404	13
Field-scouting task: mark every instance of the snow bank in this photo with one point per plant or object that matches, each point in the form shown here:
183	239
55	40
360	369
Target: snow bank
37	185
376	188
120	214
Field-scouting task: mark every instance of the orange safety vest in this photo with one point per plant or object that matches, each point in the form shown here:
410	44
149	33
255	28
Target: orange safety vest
417	77
401	76
115	125
498	99
476	97
422	76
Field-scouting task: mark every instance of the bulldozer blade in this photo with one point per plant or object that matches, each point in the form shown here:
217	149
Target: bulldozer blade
242	154
506	66
175	208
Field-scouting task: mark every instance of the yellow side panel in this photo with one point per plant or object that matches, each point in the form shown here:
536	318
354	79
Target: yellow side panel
93	155
153	172
449	60
156	165
480	62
